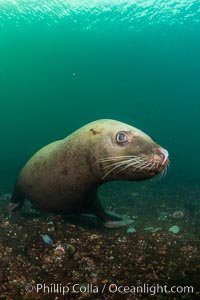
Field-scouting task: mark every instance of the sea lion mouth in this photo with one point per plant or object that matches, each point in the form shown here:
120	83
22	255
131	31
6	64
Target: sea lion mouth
141	166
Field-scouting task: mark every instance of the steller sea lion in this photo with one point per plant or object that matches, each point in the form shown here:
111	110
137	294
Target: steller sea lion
64	176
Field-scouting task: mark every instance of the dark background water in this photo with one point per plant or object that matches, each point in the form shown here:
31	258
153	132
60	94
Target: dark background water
63	65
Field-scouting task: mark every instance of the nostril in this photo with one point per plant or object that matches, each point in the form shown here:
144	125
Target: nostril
165	154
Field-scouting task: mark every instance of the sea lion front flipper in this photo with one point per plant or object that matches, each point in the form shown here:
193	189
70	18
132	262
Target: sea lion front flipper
119	222
16	201
110	220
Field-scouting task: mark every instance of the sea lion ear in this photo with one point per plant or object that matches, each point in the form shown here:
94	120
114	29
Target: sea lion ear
95	131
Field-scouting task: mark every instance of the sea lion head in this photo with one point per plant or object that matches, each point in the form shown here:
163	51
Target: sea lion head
123	152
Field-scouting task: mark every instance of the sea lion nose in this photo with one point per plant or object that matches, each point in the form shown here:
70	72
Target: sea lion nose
165	154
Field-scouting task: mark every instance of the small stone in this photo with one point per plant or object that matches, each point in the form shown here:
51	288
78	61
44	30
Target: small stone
151	228
50	223
46	238
70	250
178	214
157	229
131	230
163	216
175	229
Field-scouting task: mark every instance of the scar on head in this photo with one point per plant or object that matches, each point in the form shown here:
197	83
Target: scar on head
95	131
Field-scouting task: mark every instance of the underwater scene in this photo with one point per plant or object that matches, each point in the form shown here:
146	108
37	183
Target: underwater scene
99	150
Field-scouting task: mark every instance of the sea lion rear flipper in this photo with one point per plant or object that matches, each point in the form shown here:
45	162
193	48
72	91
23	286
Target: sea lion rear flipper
16	201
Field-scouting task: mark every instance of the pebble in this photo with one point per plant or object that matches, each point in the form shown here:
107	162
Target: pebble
163	216
50	223
151	228
175	229
46	238
131	230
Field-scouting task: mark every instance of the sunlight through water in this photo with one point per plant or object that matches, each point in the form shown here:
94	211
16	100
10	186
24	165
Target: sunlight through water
131	14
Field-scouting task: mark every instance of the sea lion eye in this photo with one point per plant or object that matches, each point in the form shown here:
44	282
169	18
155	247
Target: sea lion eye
121	137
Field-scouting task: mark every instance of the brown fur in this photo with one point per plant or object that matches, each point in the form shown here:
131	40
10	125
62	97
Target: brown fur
64	175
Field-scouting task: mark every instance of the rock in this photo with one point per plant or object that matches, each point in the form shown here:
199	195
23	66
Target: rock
178	214
131	230
175	229
151	228
46	238
163	216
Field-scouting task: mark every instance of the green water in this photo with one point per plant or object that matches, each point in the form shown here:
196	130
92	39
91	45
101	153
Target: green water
66	63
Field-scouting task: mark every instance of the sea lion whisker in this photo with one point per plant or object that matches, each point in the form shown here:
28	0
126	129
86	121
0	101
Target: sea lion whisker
165	171
152	165
142	163
141	167
104	159
123	162
127	166
132	164
115	167
109	172
118	156
162	174
155	165
146	166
